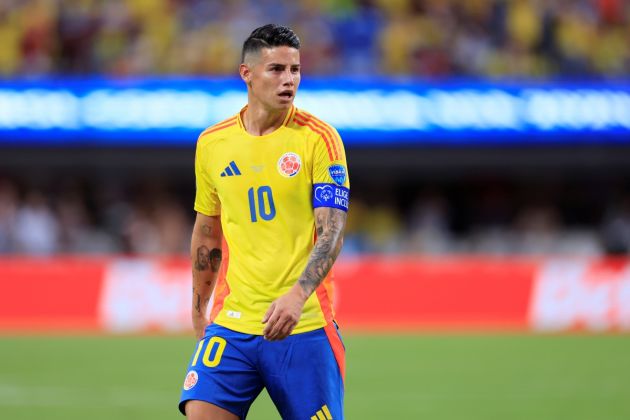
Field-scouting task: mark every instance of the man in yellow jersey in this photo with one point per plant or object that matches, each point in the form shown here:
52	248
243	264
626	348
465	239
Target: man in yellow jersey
271	202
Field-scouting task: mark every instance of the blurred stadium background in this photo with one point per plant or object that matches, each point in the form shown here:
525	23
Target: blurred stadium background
485	272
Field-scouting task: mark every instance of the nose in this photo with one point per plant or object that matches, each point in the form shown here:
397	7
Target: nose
289	78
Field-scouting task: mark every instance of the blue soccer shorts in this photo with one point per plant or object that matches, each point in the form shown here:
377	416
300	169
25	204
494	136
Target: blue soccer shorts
303	374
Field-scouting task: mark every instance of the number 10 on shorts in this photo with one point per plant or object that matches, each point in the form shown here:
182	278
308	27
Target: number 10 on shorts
212	355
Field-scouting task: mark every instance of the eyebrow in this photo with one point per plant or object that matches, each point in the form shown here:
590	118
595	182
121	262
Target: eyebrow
283	65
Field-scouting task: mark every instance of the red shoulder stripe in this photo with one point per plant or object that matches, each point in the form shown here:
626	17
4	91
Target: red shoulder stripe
334	155
305	124
329	136
220	126
335	139
290	116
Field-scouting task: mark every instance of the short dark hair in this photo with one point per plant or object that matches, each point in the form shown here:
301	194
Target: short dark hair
269	36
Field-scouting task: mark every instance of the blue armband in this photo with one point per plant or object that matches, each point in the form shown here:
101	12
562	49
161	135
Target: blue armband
331	195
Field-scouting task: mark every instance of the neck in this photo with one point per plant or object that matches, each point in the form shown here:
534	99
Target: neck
259	121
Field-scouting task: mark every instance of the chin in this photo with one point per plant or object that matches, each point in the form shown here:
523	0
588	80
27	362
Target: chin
285	105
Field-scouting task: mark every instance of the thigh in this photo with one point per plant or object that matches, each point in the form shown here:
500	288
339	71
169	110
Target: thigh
201	410
304	374
222	371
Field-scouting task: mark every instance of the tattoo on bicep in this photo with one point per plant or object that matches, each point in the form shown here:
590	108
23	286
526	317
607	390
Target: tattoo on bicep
326	249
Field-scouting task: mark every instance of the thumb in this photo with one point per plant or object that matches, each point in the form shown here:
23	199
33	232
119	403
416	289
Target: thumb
269	312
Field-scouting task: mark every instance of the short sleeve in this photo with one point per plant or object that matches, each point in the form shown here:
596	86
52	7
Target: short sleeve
331	182
206	197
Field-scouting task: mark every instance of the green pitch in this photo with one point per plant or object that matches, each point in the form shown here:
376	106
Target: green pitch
458	377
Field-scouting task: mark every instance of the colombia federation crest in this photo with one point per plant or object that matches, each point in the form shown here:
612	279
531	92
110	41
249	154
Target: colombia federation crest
289	164
191	380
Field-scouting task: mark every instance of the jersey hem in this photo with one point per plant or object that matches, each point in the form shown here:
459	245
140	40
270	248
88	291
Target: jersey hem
259	331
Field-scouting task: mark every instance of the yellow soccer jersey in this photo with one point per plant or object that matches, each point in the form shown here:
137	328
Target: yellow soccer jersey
265	189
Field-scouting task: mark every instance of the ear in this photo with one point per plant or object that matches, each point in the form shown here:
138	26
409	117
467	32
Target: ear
246	73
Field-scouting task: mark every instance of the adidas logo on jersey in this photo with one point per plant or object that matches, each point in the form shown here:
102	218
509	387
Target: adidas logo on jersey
231	170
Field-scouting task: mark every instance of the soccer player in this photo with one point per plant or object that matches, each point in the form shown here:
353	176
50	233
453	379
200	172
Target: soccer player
271	202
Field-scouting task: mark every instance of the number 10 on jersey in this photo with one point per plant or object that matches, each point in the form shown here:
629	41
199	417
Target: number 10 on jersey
265	208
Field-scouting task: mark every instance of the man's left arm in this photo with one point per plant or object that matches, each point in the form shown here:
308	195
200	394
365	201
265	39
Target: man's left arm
284	313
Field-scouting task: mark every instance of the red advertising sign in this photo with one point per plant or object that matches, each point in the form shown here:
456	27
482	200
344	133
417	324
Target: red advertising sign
581	294
43	293
404	293
373	293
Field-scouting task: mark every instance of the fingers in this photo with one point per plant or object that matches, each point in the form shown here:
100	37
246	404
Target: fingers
281	318
285	330
281	329
270	331
269	313
274	332
269	327
271	319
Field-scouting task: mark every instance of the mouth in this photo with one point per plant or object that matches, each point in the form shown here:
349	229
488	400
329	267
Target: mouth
286	94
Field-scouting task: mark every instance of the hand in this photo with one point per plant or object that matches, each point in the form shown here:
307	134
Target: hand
200	323
284	314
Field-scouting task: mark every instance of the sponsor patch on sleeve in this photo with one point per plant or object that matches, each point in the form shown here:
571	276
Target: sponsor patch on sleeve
331	195
338	173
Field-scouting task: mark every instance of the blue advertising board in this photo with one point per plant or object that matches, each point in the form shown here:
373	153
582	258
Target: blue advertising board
377	112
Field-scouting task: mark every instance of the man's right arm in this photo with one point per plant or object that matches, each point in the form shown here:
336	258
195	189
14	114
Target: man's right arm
205	250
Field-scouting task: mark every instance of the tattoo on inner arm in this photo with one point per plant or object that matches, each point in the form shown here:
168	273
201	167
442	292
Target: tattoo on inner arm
326	249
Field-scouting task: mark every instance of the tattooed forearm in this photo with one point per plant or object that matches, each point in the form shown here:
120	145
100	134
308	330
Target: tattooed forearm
205	253
207	258
199	304
215	259
206	230
203	258
330	224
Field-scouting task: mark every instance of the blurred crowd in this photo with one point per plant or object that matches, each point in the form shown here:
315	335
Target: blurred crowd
491	219
428	38
72	218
